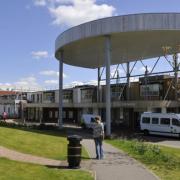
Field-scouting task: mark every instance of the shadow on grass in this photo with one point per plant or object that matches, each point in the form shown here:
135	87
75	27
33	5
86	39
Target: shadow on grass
63	167
57	167
87	158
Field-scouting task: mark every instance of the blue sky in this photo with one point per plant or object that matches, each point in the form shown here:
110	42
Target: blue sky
28	30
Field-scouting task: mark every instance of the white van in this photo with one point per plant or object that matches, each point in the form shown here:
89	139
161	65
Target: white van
88	120
167	124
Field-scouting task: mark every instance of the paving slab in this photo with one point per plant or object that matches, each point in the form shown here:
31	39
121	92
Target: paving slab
116	165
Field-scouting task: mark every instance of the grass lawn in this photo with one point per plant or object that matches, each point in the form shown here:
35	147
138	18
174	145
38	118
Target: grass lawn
23	171
163	161
40	143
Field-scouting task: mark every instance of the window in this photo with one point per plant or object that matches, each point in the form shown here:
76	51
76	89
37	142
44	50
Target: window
37	97
92	120
50	114
32	97
86	94
150	90
67	96
146	120
116	92
175	122
155	120
165	121
64	114
56	114
49	96
70	114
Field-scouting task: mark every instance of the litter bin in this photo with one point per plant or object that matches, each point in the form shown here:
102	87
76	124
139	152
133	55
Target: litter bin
74	151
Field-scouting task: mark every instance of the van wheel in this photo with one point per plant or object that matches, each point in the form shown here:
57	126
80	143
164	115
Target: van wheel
146	132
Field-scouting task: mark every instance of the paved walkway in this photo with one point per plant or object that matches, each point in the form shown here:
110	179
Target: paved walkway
17	156
116	165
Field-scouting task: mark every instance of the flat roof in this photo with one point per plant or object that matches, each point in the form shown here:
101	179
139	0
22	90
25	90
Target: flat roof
133	37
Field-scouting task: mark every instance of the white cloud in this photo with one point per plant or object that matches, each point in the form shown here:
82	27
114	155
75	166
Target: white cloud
74	12
92	82
114	72
51	73
134	79
143	69
6	86
40	2
75	83
27	83
51	81
39	54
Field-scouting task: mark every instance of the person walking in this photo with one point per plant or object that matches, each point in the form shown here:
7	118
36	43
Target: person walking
4	115
98	135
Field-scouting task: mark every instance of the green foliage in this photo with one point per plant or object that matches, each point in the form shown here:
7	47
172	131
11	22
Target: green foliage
50	144
12	170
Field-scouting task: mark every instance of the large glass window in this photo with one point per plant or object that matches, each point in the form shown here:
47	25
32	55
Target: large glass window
37	97
86	94
64	114
49	97
116	92
175	122
155	120
146	120
67	96
56	114
70	114
165	121
50	114
150	90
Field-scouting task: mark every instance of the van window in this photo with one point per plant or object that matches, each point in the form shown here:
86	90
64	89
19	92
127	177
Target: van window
165	121
175	122
92	120
146	120
155	120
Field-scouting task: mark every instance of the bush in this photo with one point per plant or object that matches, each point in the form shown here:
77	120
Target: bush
46	127
152	153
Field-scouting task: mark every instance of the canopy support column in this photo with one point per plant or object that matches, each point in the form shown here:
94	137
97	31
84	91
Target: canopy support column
60	120
176	68
108	90
128	81
98	88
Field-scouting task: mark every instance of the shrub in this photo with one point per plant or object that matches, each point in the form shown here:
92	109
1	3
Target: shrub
152	153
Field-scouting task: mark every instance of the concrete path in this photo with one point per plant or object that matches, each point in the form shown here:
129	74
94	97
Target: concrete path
116	165
17	156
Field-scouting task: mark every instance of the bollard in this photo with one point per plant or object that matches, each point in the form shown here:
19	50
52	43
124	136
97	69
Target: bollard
74	151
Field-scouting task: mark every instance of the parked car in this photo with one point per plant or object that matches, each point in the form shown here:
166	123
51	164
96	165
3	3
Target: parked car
167	124
88	120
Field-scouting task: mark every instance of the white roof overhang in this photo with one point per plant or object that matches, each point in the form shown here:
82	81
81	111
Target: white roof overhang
133	37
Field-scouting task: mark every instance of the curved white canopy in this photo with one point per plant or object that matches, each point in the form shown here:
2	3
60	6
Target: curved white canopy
133	37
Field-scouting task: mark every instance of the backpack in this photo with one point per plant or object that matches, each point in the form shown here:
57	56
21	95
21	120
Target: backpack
98	130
